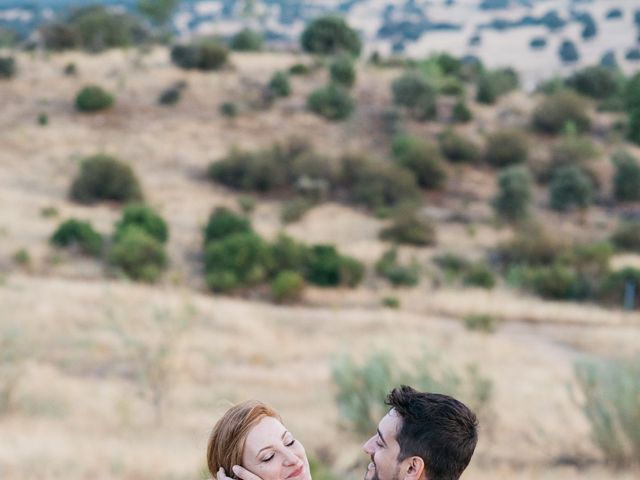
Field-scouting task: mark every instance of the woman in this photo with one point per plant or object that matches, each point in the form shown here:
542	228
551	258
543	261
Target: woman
251	441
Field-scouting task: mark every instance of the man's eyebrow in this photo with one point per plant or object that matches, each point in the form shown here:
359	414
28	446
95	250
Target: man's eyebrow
381	437
269	446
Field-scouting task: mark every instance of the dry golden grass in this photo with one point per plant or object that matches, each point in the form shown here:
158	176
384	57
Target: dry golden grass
94	351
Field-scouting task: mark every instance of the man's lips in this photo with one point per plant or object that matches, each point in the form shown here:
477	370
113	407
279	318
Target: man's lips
296	473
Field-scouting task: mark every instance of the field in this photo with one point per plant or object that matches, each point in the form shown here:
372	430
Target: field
114	379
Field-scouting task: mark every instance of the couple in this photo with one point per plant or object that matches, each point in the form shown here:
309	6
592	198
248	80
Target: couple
425	436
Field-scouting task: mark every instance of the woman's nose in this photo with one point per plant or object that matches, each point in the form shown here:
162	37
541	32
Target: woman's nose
290	458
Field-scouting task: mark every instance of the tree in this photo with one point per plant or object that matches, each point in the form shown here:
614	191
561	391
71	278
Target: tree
412	91
342	71
506	148
329	35
570	187
514	196
626	181
246	40
556	110
159	12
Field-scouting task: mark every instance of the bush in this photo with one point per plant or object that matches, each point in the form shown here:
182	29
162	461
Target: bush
327	268
595	81
59	36
228	109
279	84
451	86
492	84
98	28
287	287
246	40
409	228
480	275
615	288
146	219
295	209
172	95
421	158
626	181
138	255
481	322
93	99
201	55
289	254
22	257
103	177
223	223
506	148
556	110
329	35
342	71
568	52
554	282
331	102
458	148
611	394
570	188
514	195
79	234
399	275
237	260
299	69
7	67
532	246
627	236
412	91
572	150
461	113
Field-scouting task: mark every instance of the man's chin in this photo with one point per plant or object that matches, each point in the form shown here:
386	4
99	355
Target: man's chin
371	473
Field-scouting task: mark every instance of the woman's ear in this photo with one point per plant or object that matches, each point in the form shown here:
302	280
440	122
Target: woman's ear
414	469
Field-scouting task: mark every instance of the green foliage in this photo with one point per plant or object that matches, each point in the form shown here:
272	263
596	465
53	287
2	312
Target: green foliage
223	223
514	196
570	187
289	254
362	388
572	150
506	147
328	268
626	181
458	148
611	403
451	86
246	40
332	102
595	81
228	109
145	218
237	260
421	158
530	245
486	92
287	287
279	84
391	302
204	54
453	265
461	113
480	275
493	83
481	322
613	287
247	204
342	71
22	257
43	119
388	267
59	36
139	255
556	110
412	91
93	98
159	12
293	210
554	282
410	228
78	234
7	67
627	236
329	35
299	69
172	95
103	177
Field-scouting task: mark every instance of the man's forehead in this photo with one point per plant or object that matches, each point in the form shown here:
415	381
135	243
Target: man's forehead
390	423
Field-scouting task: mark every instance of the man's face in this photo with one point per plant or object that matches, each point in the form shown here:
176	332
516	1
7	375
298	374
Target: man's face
383	448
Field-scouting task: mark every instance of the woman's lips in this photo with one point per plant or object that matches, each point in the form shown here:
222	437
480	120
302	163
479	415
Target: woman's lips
297	472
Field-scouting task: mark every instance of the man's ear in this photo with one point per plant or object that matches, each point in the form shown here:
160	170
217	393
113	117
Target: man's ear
414	469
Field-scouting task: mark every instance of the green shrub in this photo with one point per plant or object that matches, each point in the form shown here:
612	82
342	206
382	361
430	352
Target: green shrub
555	282
611	404
486	91
506	148
228	109
514	196
138	255
145	218
93	99
103	177
452	264
201	55
595	81
43	119
626	181
342	71
293	210
279	84
421	158
237	260
388	267
531	245
494	83
572	150
289	254
556	110
331	102
570	188
79	234
328	268
246	40
59	36
412	91
247	204
627	236
481	322
410	228
391	302
299	69
98	28
223	223
480	275
172	95
461	113
451	86
22	257
287	287
70	69
7	67
613	288
458	148
329	35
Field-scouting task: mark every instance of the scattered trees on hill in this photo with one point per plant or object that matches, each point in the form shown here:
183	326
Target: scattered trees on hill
342	71
78	234
246	40
412	91
103	177
329	35
570	187
554	112
203	54
93	98
279	84
331	102
514	195
595	81
421	158
626	181
506	147
457	147
627	236
138	254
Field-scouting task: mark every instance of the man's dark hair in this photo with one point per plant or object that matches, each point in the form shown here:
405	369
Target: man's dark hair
437	428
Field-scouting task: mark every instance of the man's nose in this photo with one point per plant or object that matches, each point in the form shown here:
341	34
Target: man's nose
367	447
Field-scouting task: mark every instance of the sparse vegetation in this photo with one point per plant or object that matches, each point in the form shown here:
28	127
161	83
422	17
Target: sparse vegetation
409	227
506	148
626	181
78	234
331	102
93	99
279	84
458	148
204	54
139	255
342	71
103	177
145	218
481	322
554	112
421	158
413	92
399	275
514	196
627	236
294	209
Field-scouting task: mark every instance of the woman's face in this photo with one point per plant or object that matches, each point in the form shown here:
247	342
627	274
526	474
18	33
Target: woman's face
271	452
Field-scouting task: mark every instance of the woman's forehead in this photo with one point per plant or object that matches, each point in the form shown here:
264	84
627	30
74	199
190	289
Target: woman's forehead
267	430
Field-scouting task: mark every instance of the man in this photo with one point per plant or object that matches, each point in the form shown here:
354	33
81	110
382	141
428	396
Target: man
425	436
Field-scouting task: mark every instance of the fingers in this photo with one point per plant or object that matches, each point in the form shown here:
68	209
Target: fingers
244	474
221	475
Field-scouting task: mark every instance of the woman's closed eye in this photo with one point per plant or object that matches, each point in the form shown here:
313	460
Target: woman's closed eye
290	442
268	457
